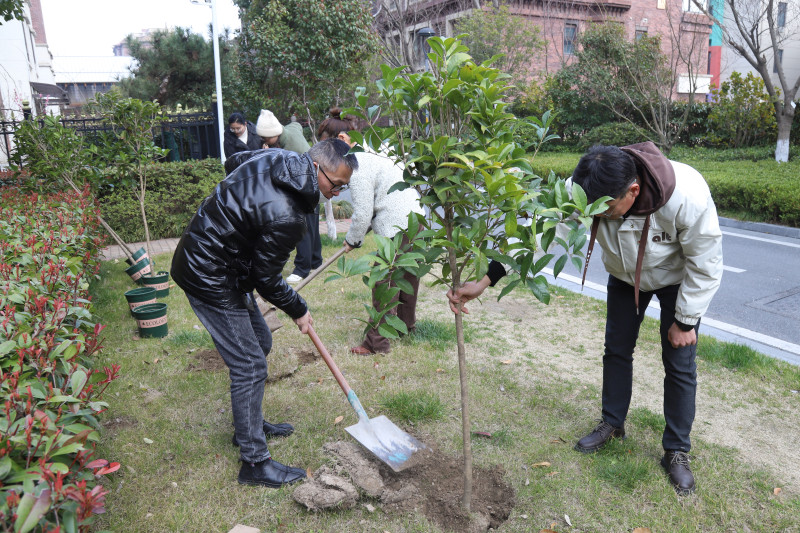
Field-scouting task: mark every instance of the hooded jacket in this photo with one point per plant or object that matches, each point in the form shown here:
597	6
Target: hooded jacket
243	233
676	219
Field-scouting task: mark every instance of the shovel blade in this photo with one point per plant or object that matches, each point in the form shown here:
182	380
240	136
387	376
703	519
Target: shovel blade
386	441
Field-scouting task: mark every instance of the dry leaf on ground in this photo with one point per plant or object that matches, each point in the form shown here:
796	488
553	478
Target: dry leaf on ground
338	419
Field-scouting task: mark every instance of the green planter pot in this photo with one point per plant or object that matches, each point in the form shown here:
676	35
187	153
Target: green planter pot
141	296
152	320
160	282
138	255
138	270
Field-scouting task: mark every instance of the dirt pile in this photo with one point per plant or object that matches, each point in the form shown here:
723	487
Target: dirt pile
432	485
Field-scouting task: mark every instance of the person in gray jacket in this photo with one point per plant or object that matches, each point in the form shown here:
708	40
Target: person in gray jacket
660	236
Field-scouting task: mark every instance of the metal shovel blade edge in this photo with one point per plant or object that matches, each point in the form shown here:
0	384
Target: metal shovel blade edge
386	441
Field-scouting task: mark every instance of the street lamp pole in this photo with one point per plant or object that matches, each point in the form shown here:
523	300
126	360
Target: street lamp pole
217	78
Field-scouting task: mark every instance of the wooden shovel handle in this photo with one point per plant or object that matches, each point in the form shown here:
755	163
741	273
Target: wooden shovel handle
329	361
322	267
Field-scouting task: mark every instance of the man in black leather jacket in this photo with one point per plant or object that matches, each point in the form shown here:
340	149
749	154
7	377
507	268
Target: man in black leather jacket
239	240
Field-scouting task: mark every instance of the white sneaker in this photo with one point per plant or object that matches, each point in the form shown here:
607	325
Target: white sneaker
294	278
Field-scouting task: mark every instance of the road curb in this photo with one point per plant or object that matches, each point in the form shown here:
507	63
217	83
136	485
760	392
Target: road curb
761	227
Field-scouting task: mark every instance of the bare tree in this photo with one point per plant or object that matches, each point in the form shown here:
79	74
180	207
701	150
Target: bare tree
758	31
399	23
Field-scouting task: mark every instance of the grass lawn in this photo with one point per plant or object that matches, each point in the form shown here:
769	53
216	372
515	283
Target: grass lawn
534	374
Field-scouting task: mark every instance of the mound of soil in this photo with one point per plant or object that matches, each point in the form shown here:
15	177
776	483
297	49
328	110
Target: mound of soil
433	485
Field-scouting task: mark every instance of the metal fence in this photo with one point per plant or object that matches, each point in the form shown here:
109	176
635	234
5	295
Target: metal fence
186	135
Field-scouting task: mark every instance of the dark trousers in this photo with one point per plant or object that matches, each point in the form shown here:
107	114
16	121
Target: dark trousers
243	340
680	380
309	250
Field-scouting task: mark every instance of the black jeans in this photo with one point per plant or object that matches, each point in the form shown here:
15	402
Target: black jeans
680	380
244	341
309	250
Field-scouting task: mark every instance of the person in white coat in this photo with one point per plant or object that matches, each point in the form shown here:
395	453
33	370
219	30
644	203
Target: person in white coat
374	208
660	236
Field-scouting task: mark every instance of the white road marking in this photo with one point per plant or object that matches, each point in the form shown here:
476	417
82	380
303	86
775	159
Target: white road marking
733	269
771	241
728	328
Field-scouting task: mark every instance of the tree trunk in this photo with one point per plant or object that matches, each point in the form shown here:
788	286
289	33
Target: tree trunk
462	375
784	132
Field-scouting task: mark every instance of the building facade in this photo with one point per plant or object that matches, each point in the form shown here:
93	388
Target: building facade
684	29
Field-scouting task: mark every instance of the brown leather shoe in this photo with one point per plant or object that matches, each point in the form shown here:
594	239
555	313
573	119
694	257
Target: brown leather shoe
680	475
360	350
598	437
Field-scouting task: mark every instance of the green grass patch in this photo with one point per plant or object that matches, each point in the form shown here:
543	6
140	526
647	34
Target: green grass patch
639	416
414	406
436	333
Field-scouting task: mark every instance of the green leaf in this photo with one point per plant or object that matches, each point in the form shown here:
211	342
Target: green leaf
7	347
559	266
77	381
388	331
396	323
37	511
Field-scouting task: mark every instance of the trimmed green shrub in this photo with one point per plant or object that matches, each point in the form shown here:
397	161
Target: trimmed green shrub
613	134
562	164
174	191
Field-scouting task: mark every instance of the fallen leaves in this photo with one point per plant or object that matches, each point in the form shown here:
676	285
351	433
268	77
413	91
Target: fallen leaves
337	419
641	530
542	464
147	441
506	362
776	491
567	520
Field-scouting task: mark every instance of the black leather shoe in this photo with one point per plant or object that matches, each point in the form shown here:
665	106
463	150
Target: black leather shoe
269	473
680	475
271	430
598	437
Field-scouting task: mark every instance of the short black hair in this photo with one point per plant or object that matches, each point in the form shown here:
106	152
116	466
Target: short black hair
238	118
604	171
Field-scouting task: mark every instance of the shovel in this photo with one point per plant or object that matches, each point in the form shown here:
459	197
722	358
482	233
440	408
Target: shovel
270	313
379	435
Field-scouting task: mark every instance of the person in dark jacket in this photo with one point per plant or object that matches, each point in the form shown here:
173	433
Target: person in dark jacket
240	136
239	240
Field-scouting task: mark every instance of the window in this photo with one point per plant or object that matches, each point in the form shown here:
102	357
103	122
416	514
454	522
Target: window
639	34
781	14
570	36
778	60
692	7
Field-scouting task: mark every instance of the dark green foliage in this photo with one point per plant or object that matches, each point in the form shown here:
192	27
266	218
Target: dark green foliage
11	9
697	124
302	53
174	191
176	66
613	134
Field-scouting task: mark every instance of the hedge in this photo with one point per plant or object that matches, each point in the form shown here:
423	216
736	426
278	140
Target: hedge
174	191
50	383
765	188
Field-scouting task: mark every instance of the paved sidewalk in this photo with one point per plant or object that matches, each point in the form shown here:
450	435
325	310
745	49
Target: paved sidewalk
165	246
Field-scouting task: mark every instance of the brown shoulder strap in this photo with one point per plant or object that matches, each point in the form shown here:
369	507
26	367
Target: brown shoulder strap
639	259
592	237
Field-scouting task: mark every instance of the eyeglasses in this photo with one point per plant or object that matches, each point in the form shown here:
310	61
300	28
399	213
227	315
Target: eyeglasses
335	188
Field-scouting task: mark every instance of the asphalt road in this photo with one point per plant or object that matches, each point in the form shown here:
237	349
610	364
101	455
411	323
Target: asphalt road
758	302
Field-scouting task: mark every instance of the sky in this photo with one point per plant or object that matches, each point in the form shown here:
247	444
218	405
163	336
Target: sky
93	27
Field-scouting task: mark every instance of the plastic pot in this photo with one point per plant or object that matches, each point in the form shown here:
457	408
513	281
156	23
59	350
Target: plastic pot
140	296
138	270
160	282
152	320
138	255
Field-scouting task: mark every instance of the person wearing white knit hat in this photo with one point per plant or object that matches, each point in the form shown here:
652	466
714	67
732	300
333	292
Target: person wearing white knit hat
290	137
268	128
